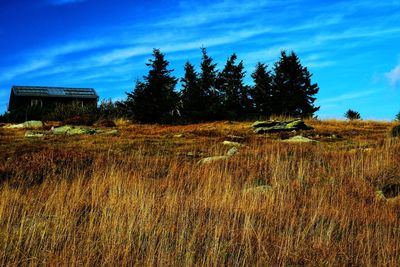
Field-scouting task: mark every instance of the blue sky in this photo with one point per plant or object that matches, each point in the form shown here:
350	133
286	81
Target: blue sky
351	47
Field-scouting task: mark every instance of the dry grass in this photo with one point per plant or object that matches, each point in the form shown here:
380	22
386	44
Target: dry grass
141	199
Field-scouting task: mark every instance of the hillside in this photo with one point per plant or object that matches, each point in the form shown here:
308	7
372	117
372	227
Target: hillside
141	197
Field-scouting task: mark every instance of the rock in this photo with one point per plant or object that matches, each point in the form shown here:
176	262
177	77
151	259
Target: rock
279	126
232	144
112	132
213	159
27	125
233	151
74	130
33	134
235	137
299	139
395	131
259	124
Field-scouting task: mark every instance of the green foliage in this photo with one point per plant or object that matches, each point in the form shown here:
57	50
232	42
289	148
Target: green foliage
261	92
293	93
192	96
352	115
74	113
208	84
397	117
235	94
154	99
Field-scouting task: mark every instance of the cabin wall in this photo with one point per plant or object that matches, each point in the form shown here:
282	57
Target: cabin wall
17	102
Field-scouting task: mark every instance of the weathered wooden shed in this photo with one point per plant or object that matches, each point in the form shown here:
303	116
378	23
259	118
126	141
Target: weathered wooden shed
25	96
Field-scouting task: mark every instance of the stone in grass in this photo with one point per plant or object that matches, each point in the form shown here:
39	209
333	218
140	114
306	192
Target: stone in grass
213	159
299	139
27	125
232	144
232	151
33	134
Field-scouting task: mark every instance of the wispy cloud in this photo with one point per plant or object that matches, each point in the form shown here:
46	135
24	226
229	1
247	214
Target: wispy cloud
346	97
394	76
46	57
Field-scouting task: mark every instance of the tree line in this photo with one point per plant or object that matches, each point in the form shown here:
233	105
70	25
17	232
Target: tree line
211	94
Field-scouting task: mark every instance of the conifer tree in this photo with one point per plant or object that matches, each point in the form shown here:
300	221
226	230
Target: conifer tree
293	92
261	92
236	101
192	96
154	100
208	79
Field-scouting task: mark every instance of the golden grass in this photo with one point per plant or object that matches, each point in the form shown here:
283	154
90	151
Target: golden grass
141	198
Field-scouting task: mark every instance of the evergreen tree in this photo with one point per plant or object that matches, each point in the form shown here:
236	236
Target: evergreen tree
261	92
208	79
293	93
192	96
236	101
154	100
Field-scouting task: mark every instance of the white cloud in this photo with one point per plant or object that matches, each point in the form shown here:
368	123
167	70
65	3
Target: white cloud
346	97
394	76
25	68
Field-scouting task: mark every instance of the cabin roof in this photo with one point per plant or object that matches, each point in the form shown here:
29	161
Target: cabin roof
44	91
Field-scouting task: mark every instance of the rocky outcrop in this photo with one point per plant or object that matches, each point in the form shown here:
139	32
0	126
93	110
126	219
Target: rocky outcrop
273	126
26	125
299	139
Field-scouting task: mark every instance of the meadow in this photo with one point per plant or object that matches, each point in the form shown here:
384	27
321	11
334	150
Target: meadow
140	198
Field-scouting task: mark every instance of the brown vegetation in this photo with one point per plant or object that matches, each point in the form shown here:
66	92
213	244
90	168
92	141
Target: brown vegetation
141	198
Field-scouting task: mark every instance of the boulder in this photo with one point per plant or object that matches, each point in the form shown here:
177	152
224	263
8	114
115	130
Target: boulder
233	151
299	139
34	134
213	159
74	130
232	144
27	125
279	126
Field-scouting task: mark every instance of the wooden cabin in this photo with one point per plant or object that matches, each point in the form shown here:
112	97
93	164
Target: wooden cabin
26	96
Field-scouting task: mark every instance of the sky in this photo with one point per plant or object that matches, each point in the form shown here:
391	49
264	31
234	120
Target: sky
352	47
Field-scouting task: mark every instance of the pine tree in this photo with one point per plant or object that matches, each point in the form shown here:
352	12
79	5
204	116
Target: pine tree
192	97
293	93
261	92
236	101
208	79
154	99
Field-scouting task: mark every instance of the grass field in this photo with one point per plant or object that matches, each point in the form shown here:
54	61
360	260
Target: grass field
140	198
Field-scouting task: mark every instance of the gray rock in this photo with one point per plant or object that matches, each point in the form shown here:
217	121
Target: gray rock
33	134
299	139
27	125
232	144
232	151
279	126
213	159
75	130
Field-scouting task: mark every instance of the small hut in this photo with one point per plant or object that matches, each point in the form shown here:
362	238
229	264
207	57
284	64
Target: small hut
28	96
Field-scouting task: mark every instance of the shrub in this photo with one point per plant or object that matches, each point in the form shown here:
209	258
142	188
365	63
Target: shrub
396	131
352	115
397	117
73	113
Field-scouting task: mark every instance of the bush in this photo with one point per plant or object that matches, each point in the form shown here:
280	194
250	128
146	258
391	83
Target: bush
397	117
352	115
73	113
396	131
